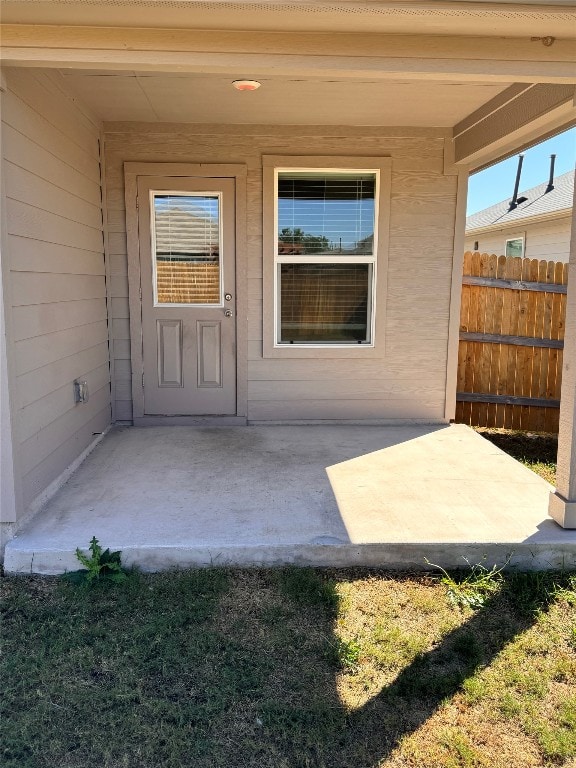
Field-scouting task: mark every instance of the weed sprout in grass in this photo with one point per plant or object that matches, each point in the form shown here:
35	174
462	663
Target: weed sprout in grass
101	564
474	587
345	653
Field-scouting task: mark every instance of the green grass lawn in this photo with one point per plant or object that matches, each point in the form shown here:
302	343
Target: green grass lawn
288	669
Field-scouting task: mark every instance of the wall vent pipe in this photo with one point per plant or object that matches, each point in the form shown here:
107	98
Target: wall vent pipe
514	201
550	186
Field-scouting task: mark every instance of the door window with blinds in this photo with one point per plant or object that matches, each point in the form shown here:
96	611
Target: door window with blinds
186	248
325	258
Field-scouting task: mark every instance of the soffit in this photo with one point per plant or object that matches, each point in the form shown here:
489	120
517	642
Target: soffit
435	18
190	98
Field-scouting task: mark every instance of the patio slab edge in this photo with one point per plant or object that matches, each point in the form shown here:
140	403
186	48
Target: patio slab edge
397	556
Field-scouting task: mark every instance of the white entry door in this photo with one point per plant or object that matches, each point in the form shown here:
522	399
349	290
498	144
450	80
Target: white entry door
186	231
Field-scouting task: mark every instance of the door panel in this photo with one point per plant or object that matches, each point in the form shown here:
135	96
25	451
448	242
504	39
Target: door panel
209	335
187	272
169	342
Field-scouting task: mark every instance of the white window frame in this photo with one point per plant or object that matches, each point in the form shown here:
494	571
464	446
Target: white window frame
511	240
358	259
272	167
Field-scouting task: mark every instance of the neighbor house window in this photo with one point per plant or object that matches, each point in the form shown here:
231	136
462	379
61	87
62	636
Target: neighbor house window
515	247
325	256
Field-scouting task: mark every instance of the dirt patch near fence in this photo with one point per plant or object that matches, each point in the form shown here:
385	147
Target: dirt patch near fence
536	450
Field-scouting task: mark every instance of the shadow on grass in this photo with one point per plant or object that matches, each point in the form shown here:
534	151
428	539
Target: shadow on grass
369	734
429	680
219	668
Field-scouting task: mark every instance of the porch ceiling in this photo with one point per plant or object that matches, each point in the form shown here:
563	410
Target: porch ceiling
209	98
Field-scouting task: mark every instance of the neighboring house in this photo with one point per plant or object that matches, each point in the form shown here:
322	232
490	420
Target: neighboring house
538	228
368	121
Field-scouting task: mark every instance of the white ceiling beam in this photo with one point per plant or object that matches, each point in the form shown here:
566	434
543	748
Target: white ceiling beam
512	121
345	68
314	55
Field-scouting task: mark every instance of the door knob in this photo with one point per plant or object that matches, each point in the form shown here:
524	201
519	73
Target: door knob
228	313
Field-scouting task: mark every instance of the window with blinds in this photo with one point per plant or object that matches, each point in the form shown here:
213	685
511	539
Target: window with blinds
325	257
186	248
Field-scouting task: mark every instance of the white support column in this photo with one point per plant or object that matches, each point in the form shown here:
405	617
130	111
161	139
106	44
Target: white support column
8	490
456	295
7	487
563	501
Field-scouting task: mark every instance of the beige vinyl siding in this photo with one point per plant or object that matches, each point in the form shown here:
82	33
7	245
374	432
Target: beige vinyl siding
548	240
409	381
51	167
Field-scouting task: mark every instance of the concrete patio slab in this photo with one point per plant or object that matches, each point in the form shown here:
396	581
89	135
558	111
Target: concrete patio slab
315	495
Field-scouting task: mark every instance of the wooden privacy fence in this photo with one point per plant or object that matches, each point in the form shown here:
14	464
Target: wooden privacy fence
511	342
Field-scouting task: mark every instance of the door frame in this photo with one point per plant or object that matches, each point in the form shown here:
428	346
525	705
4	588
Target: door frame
234	171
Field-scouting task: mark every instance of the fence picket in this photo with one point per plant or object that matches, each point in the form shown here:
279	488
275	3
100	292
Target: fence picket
493	325
503	349
515	273
543	315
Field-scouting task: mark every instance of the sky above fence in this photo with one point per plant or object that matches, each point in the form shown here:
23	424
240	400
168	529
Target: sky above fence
497	183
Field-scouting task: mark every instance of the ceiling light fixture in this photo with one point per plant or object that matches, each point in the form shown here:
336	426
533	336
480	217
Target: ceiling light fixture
246	85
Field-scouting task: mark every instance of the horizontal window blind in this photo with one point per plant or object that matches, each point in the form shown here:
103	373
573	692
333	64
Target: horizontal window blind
186	227
322	213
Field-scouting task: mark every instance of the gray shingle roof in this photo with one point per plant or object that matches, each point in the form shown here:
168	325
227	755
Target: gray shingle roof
538	203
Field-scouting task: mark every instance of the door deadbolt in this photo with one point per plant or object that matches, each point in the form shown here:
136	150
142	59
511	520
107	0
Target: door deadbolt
228	296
